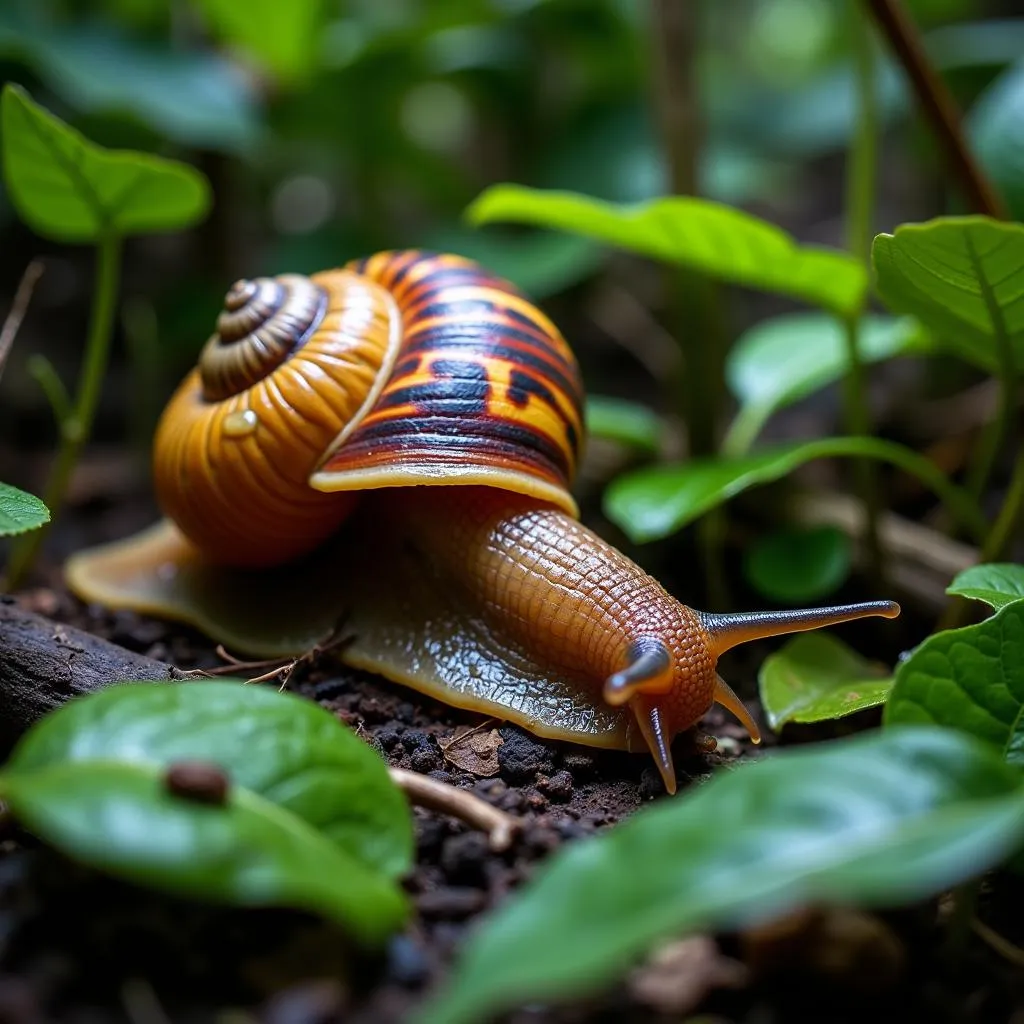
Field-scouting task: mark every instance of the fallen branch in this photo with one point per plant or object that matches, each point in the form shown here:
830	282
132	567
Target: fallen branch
43	664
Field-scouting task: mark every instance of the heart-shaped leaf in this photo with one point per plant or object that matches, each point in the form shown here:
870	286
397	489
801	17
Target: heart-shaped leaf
960	276
997	584
798	563
122	818
696	233
287	750
970	679
655	501
882	819
816	678
615	419
783	359
68	189
20	512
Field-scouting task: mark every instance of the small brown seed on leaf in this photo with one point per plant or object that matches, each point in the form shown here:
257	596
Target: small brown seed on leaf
202	782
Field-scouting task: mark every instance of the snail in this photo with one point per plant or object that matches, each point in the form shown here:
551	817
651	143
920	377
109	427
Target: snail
391	444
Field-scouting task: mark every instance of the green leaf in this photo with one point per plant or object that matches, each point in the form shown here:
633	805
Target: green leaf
996	126
195	98
970	679
20	512
71	190
997	584
797	564
882	819
280	36
783	359
655	501
120	817
816	678
616	419
961	277
284	748
696	233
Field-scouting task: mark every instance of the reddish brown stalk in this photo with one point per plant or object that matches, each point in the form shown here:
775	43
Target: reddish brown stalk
937	105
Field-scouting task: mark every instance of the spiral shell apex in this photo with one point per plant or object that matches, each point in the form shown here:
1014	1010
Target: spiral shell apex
296	362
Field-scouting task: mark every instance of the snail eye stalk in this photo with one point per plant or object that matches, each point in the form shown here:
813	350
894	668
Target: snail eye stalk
649	671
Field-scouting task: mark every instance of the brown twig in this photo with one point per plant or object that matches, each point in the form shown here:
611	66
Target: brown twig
937	105
22	297
459	803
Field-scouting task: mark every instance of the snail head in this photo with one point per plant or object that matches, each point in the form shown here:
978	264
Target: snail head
670	680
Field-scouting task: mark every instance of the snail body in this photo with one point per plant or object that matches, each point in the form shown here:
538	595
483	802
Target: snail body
393	444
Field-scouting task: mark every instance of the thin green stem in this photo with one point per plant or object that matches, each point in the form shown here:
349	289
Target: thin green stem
748	422
76	429
860	204
43	372
1009	518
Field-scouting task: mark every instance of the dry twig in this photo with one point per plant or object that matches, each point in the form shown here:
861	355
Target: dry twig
22	297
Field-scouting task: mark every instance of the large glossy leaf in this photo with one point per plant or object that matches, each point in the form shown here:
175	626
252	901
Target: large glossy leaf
616	419
783	359
68	189
195	98
814	678
797	564
996	126
653	502
288	750
997	584
962	277
696	233
878	820
970	679
121	818
20	512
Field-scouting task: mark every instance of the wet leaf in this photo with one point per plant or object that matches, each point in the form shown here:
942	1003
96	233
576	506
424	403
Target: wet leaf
971	679
815	678
68	189
997	584
20	512
882	819
283	748
961	277
996	126
121	818
655	501
796	564
697	233
630	423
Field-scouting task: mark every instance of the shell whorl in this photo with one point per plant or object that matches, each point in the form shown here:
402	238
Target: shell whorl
263	321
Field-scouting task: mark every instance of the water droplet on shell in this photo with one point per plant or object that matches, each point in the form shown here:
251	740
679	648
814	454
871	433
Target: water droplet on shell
241	423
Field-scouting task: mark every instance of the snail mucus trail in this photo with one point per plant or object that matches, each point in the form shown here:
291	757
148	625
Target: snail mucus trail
441	392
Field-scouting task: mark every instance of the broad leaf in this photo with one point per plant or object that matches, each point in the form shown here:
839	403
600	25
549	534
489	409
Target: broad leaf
997	584
121	818
288	750
280	36
193	97
878	820
798	564
961	276
781	360
634	425
970	679
71	190
815	678
696	233
20	512
653	502
996	125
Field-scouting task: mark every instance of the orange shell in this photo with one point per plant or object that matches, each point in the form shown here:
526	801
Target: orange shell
233	474
402	369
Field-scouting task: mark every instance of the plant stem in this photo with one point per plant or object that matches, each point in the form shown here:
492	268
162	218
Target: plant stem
19	308
860	204
937	105
1008	520
76	429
